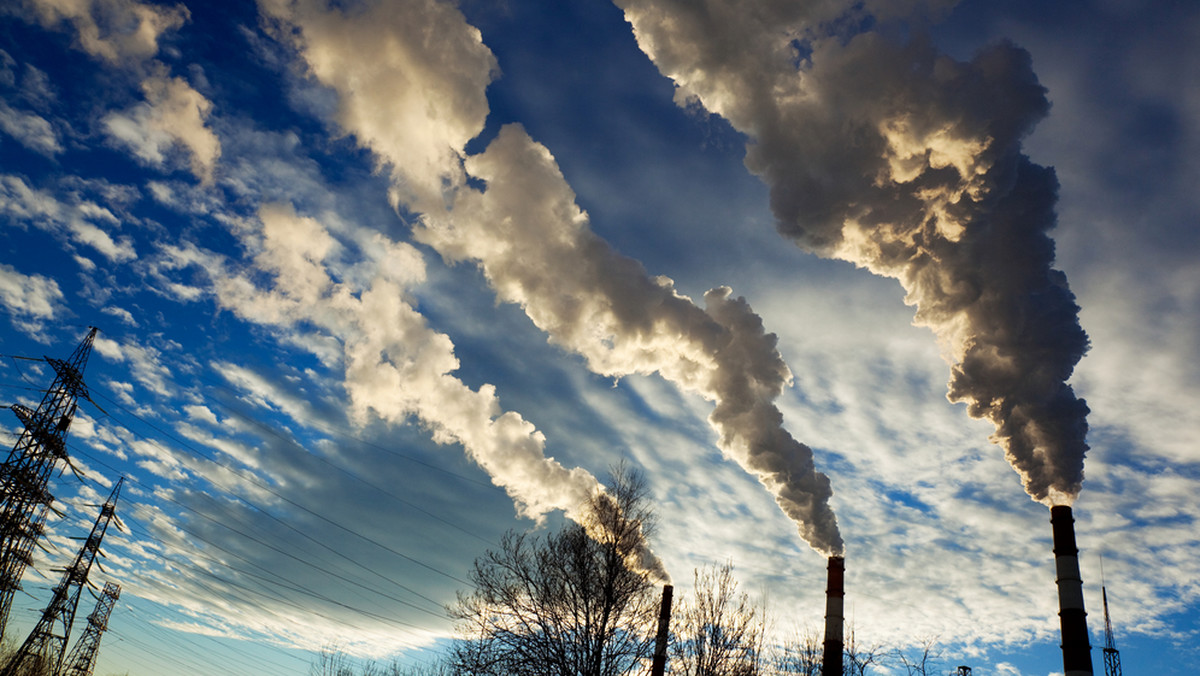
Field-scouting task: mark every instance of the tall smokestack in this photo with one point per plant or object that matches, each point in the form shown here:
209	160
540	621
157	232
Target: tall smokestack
831	663
1077	651
659	665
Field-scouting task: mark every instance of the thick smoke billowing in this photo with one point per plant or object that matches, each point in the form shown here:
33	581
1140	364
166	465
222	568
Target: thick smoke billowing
534	244
908	163
535	247
396	365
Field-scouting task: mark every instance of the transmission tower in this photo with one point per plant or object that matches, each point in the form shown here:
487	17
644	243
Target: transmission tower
83	656
42	652
24	497
1112	658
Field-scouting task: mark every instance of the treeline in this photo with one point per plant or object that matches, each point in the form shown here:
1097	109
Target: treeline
574	603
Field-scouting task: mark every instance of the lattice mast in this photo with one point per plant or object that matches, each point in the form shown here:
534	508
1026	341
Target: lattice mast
43	651
1112	658
24	497
82	659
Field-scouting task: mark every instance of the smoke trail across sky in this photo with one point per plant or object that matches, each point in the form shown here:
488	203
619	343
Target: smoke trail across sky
906	162
396	365
174	174
534	244
378	326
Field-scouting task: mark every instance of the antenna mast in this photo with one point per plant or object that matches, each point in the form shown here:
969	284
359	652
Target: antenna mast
1112	658
24	497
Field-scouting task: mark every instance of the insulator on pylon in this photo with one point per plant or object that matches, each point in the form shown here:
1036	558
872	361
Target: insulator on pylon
24	495
82	659
47	643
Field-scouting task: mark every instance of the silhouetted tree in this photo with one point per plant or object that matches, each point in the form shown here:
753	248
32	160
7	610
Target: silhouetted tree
926	658
331	661
719	631
801	655
568	603
859	657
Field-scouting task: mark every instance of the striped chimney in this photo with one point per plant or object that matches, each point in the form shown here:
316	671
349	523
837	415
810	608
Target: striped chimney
1077	651
835	594
659	665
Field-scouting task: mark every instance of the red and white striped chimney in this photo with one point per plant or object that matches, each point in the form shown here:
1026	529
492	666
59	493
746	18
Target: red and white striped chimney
835	593
1077	651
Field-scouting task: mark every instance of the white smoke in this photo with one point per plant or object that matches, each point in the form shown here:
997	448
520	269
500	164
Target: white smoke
908	163
534	244
421	96
396	365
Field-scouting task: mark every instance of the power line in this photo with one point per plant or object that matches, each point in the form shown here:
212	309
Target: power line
331	430
263	485
307	563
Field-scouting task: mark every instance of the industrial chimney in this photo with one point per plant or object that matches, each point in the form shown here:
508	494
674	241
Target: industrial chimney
1077	651
659	664
835	594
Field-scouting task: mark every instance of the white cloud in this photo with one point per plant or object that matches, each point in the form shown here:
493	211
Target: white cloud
120	313
145	362
201	413
29	299
122	32
80	220
174	115
30	130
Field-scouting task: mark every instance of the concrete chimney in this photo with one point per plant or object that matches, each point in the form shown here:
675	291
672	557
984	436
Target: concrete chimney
659	665
1077	651
831	663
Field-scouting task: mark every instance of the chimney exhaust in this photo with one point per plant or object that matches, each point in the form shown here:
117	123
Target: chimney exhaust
659	665
1077	651
835	593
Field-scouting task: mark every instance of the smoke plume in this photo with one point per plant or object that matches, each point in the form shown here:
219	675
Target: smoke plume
396	365
908	163
534	245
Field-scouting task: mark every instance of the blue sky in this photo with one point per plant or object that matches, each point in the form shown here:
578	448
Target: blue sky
377	283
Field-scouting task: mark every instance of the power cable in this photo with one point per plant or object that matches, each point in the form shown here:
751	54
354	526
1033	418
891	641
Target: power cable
257	482
311	565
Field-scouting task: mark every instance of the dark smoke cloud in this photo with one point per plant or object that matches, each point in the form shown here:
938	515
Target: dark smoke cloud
908	163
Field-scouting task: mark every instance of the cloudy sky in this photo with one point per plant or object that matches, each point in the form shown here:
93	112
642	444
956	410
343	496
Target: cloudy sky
376	283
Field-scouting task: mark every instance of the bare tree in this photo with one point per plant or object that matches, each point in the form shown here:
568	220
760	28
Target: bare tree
719	631
926	659
801	654
566	604
859	657
331	660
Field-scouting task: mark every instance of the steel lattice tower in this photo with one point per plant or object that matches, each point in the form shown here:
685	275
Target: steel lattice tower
83	656
24	497
43	651
1112	658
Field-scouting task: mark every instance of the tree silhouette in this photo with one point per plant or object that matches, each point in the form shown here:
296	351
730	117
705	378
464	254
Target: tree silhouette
568	603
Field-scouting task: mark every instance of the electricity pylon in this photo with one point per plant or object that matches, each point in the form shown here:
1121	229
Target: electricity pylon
42	652
1112	658
24	497
83	656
